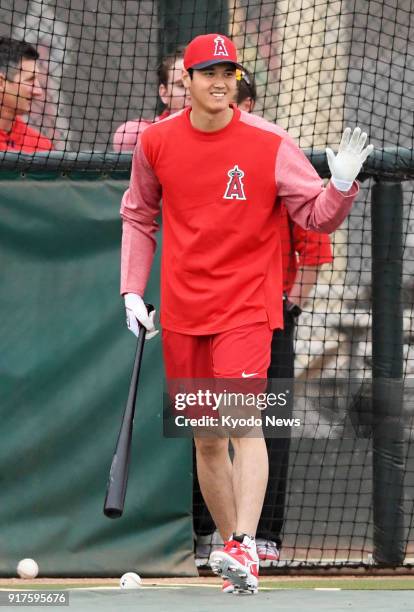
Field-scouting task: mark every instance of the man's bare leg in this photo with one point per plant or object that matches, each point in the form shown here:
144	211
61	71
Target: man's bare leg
250	474
239	563
214	469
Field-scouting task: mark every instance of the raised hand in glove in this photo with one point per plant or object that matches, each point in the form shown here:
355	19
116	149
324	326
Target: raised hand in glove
347	163
136	313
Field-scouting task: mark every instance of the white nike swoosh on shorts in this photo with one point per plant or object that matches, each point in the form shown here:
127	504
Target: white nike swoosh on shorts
244	375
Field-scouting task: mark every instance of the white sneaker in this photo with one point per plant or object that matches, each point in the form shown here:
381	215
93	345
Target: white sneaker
237	563
267	551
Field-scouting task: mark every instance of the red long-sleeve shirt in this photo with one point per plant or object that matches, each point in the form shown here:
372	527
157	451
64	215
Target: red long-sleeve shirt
221	191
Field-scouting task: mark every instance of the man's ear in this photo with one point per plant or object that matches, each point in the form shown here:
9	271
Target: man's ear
2	81
186	79
162	92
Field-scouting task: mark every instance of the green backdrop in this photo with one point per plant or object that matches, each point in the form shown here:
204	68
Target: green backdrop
65	364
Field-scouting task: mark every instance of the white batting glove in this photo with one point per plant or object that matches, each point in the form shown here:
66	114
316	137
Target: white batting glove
137	313
347	164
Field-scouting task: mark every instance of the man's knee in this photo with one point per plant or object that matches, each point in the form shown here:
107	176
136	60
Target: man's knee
211	447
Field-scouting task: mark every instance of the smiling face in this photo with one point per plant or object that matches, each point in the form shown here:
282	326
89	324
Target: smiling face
17	92
212	89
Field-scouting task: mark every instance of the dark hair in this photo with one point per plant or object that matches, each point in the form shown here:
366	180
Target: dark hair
167	63
246	87
12	52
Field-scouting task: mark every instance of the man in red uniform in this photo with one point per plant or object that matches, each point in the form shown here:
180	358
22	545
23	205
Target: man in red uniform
303	252
19	85
221	174
172	94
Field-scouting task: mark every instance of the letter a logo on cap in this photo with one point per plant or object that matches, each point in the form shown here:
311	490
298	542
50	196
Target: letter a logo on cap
220	46
235	187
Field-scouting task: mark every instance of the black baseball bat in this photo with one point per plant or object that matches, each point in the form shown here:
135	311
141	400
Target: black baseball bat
118	475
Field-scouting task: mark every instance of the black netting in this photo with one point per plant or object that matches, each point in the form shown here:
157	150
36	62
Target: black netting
319	66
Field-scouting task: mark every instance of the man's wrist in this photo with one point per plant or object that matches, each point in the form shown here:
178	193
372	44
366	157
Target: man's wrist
341	185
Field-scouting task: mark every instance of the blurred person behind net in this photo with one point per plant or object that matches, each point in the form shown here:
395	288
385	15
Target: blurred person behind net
172	94
19	88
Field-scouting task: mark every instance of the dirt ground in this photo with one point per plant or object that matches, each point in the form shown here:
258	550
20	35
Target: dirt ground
205	580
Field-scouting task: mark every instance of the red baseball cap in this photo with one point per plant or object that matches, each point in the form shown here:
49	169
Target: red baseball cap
209	49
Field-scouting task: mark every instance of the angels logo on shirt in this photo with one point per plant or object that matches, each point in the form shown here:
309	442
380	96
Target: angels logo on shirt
235	187
220	46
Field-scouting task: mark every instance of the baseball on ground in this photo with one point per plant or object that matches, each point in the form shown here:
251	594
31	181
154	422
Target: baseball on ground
27	568
130	580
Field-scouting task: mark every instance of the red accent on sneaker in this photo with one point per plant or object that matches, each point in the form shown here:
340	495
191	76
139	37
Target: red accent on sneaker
227	587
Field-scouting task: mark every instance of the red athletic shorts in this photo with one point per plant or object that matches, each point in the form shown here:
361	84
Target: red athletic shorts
232	361
243	352
200	363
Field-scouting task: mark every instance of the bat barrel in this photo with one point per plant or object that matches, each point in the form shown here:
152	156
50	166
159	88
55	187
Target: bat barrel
113	513
118	476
